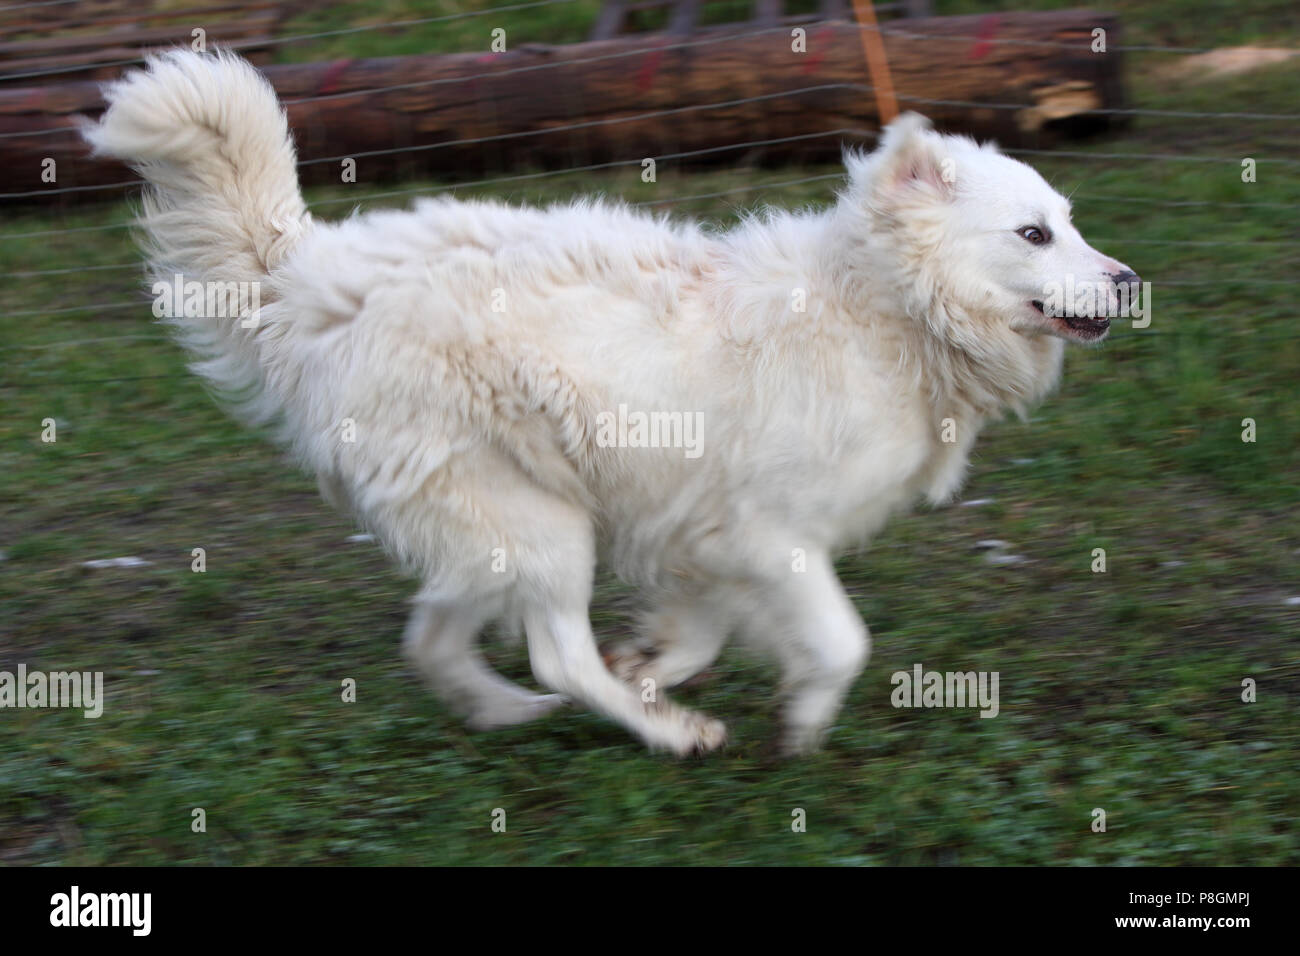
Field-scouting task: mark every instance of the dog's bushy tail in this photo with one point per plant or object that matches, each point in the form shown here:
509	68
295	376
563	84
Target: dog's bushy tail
208	134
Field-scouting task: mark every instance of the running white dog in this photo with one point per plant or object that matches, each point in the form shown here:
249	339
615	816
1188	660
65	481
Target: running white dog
505	396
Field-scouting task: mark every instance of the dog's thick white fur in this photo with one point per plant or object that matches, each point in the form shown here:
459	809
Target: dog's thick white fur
840	364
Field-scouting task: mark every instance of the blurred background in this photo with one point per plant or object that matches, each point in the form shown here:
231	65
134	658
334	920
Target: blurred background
1175	448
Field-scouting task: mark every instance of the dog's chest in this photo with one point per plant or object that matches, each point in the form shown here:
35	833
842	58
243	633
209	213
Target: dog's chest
907	454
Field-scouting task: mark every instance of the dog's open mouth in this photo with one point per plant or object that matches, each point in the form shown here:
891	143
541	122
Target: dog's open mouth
1079	327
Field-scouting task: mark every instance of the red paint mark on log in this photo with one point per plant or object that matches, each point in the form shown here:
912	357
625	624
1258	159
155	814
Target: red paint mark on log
988	27
645	76
329	80
819	50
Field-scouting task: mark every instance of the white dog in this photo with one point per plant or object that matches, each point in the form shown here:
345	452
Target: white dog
505	396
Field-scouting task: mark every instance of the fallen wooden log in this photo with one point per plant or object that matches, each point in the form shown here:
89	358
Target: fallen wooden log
1022	78
78	45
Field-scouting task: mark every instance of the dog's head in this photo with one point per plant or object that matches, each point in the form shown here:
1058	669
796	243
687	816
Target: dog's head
986	237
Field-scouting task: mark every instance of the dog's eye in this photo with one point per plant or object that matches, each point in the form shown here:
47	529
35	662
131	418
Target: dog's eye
1038	237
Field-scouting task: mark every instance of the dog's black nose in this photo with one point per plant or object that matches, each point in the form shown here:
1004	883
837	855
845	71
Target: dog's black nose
1126	278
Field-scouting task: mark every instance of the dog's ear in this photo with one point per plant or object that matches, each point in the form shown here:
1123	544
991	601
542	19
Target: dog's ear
910	165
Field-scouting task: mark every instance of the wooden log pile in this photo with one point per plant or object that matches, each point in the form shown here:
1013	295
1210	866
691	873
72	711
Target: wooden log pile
84	41
1022	78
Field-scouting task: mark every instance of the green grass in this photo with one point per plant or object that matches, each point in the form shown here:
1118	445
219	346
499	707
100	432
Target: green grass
1118	690
1193	23
564	21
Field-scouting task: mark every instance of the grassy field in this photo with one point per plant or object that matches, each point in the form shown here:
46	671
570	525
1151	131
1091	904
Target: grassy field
1119	690
424	26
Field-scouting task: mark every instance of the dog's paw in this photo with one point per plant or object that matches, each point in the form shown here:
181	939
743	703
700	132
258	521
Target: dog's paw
703	734
629	661
516	711
800	741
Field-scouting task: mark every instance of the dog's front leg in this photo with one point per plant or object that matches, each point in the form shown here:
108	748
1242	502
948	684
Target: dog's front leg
821	644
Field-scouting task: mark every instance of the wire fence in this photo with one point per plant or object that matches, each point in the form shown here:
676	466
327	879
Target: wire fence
660	44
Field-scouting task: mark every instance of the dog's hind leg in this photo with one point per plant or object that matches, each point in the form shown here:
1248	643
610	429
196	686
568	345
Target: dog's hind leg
555	578
563	652
677	641
440	641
